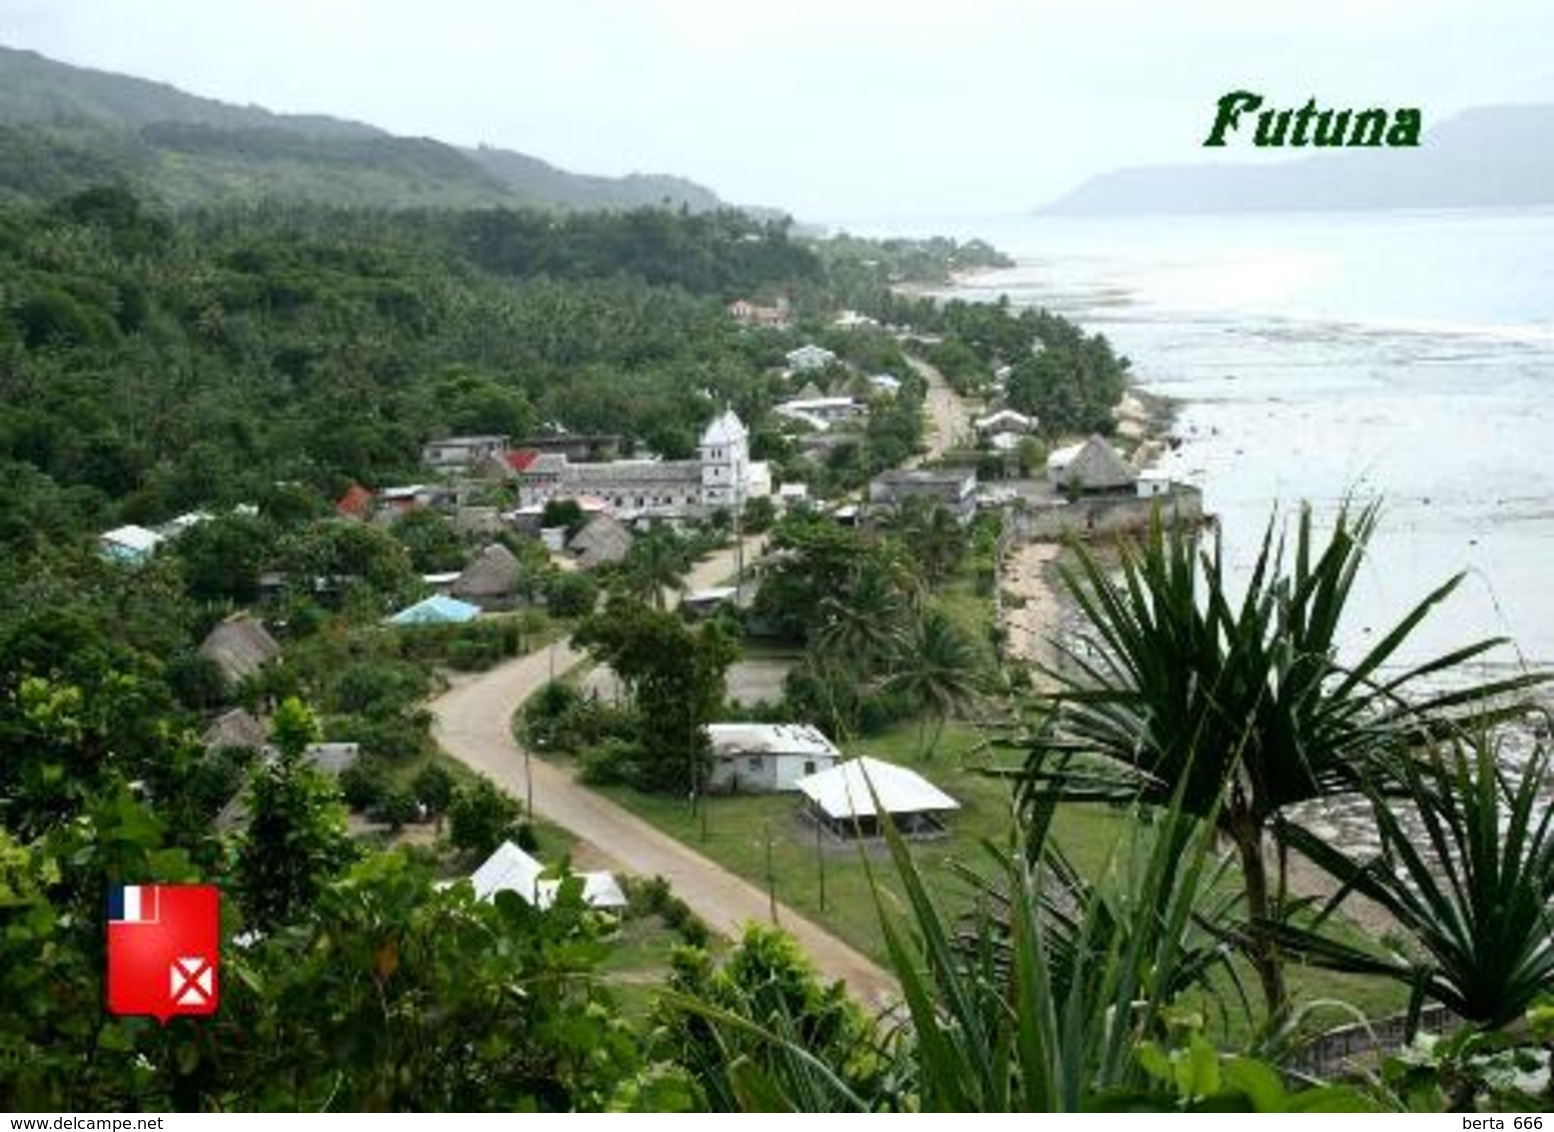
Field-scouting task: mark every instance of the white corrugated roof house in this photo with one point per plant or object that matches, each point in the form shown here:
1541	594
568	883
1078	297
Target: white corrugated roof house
844	798
809	357
129	543
765	757
510	869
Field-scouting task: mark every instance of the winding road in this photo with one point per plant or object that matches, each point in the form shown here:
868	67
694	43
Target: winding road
471	722
948	418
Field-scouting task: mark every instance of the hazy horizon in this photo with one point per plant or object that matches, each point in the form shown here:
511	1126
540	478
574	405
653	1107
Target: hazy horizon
835	112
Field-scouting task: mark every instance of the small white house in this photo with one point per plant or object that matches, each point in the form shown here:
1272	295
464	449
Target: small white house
1153	482
819	412
887	383
128	543
466	452
766	757
809	357
792	494
1005	420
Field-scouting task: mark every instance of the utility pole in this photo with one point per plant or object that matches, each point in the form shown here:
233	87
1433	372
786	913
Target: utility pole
820	863
771	877
528	780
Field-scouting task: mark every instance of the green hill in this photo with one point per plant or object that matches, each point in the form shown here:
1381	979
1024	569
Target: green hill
63	127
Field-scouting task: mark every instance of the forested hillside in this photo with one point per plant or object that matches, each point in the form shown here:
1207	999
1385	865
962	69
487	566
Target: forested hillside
63	128
152	364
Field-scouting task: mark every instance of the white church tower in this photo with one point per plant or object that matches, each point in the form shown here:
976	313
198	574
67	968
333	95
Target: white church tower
725	462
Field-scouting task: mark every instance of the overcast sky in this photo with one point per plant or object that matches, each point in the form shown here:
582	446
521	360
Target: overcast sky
833	109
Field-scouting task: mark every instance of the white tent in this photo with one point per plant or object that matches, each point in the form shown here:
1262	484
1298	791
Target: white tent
845	795
510	869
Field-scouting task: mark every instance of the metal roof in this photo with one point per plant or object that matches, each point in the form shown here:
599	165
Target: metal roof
849	790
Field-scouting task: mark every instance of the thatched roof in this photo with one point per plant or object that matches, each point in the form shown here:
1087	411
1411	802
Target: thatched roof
601	541
235	728
1097	467
240	646
494	572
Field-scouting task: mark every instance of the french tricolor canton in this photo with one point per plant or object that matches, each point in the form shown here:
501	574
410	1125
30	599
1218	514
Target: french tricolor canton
162	949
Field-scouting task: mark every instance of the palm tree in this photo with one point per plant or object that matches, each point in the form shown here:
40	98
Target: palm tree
1244	710
933	536
865	623
939	666
657	562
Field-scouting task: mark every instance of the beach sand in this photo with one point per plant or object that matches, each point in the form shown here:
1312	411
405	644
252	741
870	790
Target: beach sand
1032	617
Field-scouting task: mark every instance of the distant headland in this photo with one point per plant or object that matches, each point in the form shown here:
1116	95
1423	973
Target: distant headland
1491	157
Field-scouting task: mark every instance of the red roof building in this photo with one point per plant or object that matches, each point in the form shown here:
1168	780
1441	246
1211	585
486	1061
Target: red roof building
355	503
520	459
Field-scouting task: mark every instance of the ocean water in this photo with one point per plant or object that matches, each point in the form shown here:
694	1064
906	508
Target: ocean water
1405	356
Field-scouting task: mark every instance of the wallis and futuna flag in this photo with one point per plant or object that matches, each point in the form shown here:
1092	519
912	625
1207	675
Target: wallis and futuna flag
162	949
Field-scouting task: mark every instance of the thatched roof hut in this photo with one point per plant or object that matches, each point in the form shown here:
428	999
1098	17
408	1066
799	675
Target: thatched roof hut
491	579
602	540
235	729
1094	466
239	646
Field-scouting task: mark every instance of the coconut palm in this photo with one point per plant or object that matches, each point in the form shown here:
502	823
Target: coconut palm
1243	709
656	563
933	536
940	668
865	623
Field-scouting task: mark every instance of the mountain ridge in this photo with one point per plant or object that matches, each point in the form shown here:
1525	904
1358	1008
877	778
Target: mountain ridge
63	126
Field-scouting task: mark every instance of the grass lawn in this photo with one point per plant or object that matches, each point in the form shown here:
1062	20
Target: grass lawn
740	831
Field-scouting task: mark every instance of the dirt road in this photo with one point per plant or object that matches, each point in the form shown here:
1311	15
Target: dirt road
949	422
471	722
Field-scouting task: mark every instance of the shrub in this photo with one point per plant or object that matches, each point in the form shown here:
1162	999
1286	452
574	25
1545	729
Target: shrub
396	808
481	817
433	785
571	595
612	762
364	784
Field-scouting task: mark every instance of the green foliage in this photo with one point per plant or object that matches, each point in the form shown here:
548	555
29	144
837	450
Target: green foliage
1471	884
676	673
1071	385
365	783
433	786
222	558
1174	689
939	668
1475	1070
372	1001
481	817
566	513
571	594
352	558
656	563
560	718
295	840
429	540
397	808
716	1017
653	896
759	515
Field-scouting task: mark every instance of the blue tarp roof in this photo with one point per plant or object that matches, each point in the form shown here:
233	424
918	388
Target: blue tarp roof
436	610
